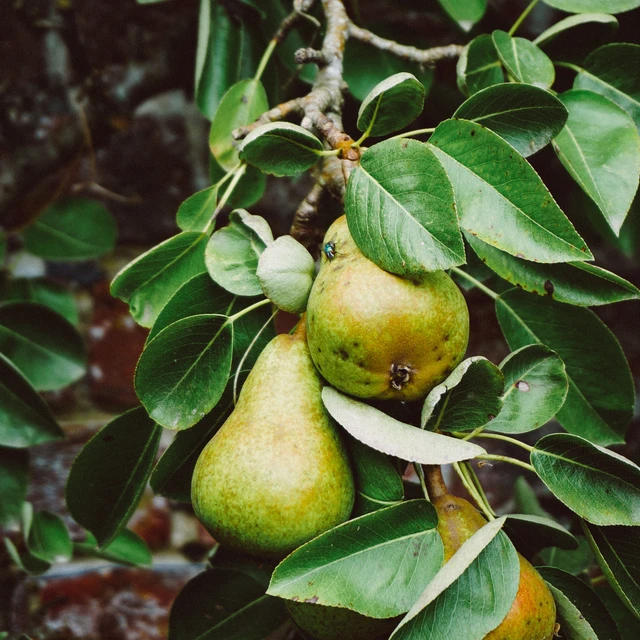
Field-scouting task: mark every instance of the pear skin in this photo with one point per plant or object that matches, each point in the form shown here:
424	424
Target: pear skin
373	334
276	474
533	613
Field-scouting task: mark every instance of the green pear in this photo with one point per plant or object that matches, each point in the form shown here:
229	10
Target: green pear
373	334
276	474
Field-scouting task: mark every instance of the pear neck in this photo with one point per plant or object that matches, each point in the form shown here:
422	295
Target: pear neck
434	480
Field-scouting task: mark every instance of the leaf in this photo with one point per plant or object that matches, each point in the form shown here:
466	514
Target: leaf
25	561
126	548
575	562
148	282
391	105
468	398
286	271
48	538
628	625
536	386
597	407
71	229
281	148
479	66
576	283
377	564
527	117
523	60
616	550
471	594
532	533
600	148
587	6
503	202
611	71
581	613
465	12
526	499
600	486
250	188
183	371
14	477
41	291
25	418
224	604
383	433
232	253
401	211
243	103
110	473
196	211
572	22
46	348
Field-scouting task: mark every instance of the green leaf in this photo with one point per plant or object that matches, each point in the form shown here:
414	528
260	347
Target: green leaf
46	348
151	279
250	187
471	594
600	486
581	613
233	252
72	229
14	477
281	148
479	66
126	548
597	407
600	148
25	561
401	191
243	103
587	6
224	604
574	22
527	117
384	433
377	564
617	550
48	538
628	625
575	562
391	105
612	72
465	12
504	202
524	61
196	211
467	399
25	418
42	291
526	499
532	533
110	473
576	283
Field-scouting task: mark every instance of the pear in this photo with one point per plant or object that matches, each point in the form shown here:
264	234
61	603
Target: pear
276	474
373	334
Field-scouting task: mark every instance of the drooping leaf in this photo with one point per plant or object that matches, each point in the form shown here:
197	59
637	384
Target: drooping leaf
195	212
48	538
527	117
504	202
377	564
401	210
600	486
14	477
523	60
42	291
467	399
46	348
150	280
597	407
110	473
588	6
531	533
388	435
600	147
126	548
575	22
479	66
465	12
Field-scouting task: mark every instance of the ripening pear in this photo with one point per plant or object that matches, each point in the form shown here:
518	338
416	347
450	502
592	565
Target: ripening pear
373	334
276	474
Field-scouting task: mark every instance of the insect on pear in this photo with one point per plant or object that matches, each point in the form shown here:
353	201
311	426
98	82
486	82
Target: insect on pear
329	250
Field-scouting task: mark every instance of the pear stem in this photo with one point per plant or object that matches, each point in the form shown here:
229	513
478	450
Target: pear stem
434	481
473	492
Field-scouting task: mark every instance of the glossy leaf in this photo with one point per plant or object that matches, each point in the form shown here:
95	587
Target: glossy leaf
72	229
391	105
48	538
196	211
532	533
401	210
281	148
524	61
149	282
597	407
600	486
109	475
587	6
388	435
527	117
578	283
14	477
600	148
535	388
46	348
25	418
224	604
467	399
574	22
479	66
126	548
41	291
504	202
465	12
377	564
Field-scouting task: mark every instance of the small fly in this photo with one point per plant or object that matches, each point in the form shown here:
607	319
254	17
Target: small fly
330	250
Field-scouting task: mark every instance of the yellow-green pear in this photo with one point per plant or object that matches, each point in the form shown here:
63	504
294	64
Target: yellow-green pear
373	334
276	474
